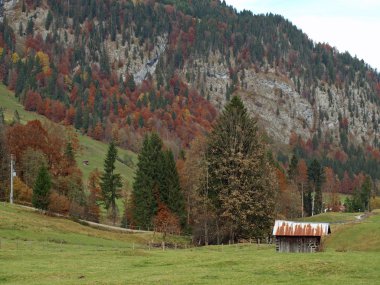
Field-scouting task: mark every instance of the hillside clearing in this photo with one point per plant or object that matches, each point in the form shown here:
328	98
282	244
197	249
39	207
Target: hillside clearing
91	150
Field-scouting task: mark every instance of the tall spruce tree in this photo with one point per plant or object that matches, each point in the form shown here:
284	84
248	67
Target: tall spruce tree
170	189
156	181
146	185
241	179
41	189
315	174
111	182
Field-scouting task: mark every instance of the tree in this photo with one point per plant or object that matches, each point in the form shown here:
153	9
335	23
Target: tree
241	179
330	187
170	190
41	189
315	176
111	182
147	181
165	221
366	193
193	177
292	171
131	83
30	163
49	20
157	181
30	27
301	180
92	207
4	163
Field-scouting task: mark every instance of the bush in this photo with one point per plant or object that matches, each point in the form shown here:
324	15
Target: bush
59	204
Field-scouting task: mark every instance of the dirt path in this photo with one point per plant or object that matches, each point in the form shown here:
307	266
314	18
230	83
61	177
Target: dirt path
87	223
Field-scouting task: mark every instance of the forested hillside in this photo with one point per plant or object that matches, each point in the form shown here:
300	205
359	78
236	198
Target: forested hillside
117	70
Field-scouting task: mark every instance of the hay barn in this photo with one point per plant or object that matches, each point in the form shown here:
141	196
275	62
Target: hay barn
299	237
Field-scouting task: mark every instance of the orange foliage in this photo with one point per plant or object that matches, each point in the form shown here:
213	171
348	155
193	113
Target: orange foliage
165	221
59	204
22	193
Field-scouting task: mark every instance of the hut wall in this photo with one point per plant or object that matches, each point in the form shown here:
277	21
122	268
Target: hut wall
297	244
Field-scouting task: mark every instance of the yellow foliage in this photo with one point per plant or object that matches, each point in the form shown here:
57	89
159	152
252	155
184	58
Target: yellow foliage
85	76
22	192
375	203
1	51
15	57
43	57
68	82
44	60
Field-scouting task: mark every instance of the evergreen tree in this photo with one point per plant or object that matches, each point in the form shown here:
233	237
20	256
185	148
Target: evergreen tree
111	182
78	120
70	154
131	83
147	181
241	179
170	189
41	189
315	176
30	27
292	171
49	20
366	193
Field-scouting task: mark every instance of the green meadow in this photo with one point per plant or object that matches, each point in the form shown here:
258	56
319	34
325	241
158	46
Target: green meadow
38	249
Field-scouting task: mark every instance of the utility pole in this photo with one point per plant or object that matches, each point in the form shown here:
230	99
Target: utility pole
12	174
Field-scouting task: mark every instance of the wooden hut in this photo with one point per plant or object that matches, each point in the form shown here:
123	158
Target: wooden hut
299	237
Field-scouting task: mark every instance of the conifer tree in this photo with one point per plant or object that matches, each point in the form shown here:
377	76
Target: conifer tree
146	181
41	189
156	182
111	182
315	174
170	190
241	179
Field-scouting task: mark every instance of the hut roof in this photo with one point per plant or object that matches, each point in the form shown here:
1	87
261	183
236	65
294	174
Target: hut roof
287	228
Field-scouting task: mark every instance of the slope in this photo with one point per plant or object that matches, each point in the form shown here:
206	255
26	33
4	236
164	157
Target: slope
37	249
91	150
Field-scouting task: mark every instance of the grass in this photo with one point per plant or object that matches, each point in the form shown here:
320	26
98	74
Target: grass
91	150
360	236
37	249
332	217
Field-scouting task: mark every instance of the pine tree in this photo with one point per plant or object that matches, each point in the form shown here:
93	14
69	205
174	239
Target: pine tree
292	171
41	189
315	174
241	179
157	182
147	181
170	189
70	154
49	20
131	83
111	182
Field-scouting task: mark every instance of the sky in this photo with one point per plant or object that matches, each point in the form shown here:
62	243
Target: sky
348	25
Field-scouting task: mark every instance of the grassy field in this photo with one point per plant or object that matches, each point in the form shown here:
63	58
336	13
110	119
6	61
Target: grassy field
91	150
332	217
36	249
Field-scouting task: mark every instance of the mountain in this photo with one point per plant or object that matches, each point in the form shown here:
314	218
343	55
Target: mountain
118	69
